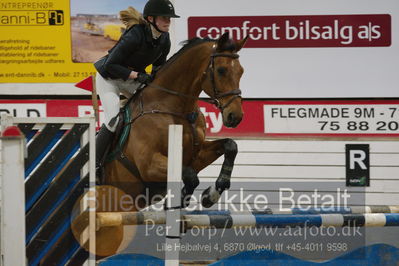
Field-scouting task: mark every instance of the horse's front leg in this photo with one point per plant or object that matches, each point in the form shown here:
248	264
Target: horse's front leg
191	182
210	152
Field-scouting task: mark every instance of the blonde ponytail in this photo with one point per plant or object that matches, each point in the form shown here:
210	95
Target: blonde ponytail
131	17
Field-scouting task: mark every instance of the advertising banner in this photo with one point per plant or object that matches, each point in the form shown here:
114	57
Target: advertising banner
262	119
298	31
56	41
295	49
305	49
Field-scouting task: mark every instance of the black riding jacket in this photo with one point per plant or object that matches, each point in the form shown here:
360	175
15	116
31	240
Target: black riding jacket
135	50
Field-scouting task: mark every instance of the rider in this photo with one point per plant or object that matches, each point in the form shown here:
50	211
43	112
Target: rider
123	69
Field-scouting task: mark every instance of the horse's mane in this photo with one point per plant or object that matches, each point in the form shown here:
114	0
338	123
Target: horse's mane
187	44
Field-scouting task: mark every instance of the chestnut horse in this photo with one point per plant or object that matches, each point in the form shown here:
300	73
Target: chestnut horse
205	65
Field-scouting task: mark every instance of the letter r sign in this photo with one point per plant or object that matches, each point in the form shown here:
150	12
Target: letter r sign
357	165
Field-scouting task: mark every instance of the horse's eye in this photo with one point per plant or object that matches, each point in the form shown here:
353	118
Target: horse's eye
222	71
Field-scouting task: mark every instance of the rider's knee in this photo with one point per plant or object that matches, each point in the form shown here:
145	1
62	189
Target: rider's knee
113	123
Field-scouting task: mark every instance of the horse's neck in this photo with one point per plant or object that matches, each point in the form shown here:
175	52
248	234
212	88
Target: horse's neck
184	77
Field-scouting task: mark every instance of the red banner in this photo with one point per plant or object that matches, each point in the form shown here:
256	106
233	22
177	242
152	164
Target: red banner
298	31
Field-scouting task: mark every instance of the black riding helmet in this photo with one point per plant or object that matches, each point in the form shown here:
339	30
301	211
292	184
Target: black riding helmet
159	8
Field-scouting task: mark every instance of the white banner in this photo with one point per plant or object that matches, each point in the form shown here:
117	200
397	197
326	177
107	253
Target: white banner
307	48
331	119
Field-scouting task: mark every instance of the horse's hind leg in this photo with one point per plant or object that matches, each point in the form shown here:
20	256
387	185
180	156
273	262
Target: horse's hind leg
210	152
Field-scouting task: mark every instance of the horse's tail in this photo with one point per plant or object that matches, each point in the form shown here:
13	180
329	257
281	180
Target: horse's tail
131	16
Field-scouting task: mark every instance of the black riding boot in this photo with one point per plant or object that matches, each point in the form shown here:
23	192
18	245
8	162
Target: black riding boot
103	140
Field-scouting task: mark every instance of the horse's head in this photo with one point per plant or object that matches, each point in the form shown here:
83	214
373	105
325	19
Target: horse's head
223	78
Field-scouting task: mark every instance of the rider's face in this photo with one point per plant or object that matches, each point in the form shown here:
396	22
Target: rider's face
163	23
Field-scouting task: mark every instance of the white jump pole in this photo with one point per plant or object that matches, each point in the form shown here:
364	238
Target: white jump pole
12	197
173	201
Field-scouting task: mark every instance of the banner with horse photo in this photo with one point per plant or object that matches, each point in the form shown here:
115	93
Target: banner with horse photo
48	41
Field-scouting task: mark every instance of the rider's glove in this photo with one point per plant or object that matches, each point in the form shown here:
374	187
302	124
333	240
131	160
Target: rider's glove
144	78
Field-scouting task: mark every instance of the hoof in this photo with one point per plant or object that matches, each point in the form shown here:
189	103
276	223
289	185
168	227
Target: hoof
209	197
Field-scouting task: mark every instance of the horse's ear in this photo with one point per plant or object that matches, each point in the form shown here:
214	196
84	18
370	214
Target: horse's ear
222	42
241	43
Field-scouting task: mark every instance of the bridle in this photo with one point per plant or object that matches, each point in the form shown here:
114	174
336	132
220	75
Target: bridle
216	95
215	98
